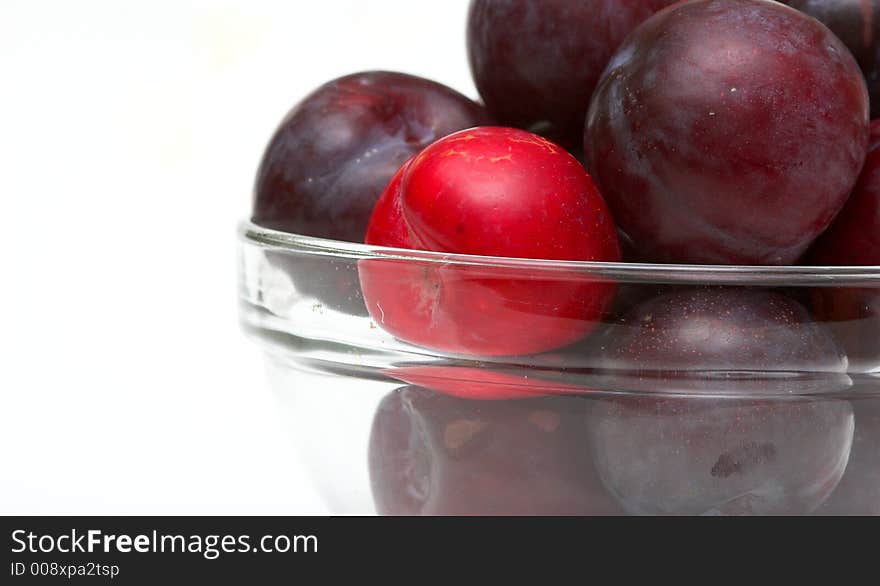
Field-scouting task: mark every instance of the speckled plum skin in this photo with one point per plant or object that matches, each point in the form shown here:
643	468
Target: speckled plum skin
728	132
336	150
721	330
857	24
431	454
721	456
536	62
500	192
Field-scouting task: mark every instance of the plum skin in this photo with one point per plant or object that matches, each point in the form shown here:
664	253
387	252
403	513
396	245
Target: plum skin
432	454
721	456
496	192
512	42
336	150
700	330
332	156
857	24
765	453
854	239
727	132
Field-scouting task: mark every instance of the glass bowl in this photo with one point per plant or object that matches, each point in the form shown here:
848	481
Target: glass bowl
428	383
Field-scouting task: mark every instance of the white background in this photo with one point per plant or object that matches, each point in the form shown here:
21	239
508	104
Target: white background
129	136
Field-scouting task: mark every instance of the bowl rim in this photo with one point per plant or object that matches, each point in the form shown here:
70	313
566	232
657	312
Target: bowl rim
803	275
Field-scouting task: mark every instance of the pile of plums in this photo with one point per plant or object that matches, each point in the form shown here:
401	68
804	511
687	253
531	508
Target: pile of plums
700	132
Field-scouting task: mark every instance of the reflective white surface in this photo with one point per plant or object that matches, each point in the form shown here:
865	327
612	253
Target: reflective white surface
126	385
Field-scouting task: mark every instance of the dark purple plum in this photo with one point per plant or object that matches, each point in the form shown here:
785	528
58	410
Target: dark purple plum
767	453
536	62
728	132
854	239
434	454
332	157
723	331
857	24
859	490
716	456
336	150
